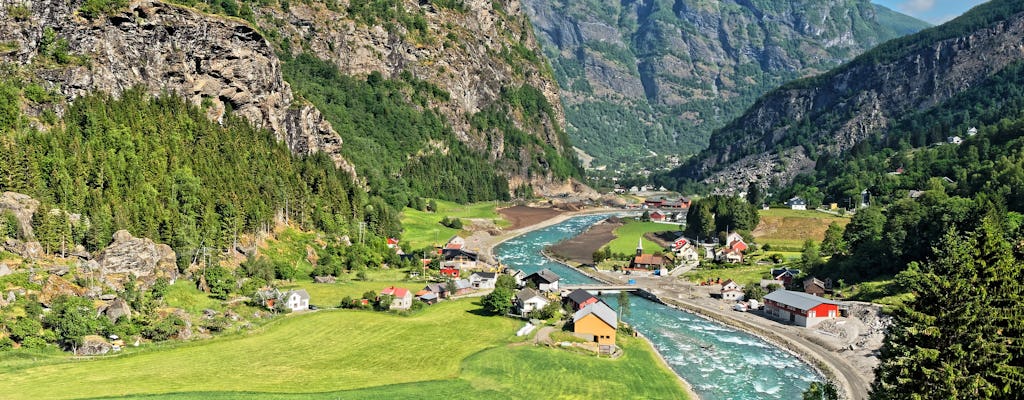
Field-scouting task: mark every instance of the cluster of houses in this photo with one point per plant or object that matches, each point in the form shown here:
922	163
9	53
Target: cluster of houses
291	300
592	318
733	250
663	203
806	308
668	217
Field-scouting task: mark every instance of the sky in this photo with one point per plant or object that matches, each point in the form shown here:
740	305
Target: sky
933	11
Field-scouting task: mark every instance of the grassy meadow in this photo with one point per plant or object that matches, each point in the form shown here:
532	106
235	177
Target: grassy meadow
627	235
423	228
743	274
787	230
449	351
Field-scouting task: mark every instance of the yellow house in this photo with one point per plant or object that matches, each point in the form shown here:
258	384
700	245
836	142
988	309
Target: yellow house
596	322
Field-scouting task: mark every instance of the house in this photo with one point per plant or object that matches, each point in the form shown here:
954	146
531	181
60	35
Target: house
528	300
657	217
973	131
579	298
519	276
786	275
799	308
729	255
734	237
483	280
955	140
797	203
459	259
545	280
402	297
438	289
596	322
646	261
450	272
392	243
462	286
654	202
456	242
732	291
294	300
815	286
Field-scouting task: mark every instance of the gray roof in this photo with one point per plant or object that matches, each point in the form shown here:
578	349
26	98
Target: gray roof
463	284
601	310
429	296
303	294
486	275
780	271
799	300
436	287
545	276
578	296
527	294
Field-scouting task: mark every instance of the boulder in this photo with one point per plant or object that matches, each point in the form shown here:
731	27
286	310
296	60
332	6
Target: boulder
324	279
139	257
30	250
55	287
5	270
22	206
94	345
117	309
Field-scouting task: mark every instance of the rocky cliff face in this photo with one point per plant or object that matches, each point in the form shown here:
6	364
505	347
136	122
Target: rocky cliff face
473	52
216	62
683	68
831	113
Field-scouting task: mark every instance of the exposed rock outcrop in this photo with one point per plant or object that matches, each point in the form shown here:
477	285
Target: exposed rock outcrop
217	62
837	110
22	206
55	287
131	256
118	308
94	345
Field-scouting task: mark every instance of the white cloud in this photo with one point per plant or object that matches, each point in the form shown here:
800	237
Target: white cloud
917	6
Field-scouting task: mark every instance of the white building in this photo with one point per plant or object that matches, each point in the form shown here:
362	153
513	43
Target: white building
732	291
295	300
483	280
528	300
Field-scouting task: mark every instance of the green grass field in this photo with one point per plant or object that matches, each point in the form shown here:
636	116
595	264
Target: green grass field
626	236
787	230
741	274
447	351
424	229
330	294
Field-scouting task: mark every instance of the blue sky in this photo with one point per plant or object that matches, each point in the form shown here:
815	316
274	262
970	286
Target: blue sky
934	11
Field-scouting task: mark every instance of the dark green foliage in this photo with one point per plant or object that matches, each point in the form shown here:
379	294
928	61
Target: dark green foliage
506	282
961	336
821	391
160	169
388	12
94	8
833	243
220	280
72	318
730	214
499	301
391	141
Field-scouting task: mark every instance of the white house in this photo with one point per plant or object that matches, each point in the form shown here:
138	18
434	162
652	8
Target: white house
483	280
295	300
955	139
797	203
732	291
518	275
545	280
528	300
973	131
402	297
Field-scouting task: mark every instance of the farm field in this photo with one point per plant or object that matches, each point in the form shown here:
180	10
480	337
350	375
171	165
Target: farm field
627	235
741	274
355	355
787	230
422	227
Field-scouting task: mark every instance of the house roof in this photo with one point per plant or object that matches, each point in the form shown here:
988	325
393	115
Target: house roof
727	282
781	271
528	293
428	296
814	281
601	311
544	276
648	259
395	291
799	300
796	201
486	275
657	215
579	296
303	294
463	284
436	287
453	253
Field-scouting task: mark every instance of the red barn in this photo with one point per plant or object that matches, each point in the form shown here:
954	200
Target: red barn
799	308
657	217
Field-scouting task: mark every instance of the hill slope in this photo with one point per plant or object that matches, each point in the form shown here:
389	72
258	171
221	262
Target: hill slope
787	130
661	75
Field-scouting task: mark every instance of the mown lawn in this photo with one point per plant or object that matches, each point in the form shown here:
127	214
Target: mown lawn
314	352
787	230
742	274
330	294
423	228
626	237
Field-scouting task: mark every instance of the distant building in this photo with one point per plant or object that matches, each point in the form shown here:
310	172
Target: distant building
799	308
955	140
786	275
483	280
657	217
815	287
402	297
545	280
797	203
973	131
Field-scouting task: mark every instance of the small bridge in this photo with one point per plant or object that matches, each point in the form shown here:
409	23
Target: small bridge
602	288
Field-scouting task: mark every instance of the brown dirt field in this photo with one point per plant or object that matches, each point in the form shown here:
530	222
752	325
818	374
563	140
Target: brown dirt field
581	248
792	228
523	216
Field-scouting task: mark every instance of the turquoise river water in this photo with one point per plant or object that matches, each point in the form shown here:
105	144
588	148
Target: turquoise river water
719	362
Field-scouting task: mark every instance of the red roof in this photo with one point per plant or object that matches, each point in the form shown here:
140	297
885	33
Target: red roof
392	241
395	291
738	245
453	246
657	215
648	259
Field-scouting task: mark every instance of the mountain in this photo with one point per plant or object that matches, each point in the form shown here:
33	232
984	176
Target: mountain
661	75
479	59
789	130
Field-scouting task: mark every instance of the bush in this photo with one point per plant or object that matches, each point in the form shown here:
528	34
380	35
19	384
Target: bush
34	342
6	343
93	8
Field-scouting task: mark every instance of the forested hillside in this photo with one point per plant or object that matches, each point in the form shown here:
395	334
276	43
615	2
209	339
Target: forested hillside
160	168
661	75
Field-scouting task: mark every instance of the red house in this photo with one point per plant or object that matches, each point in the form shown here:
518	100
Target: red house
654	202
657	217
799	308
452	272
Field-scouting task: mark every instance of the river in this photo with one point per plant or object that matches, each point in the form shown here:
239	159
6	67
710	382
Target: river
719	362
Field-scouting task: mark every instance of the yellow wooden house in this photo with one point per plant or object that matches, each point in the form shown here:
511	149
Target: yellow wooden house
596	322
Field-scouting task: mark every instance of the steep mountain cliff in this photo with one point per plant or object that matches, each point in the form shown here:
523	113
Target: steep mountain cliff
661	75
786	131
474	53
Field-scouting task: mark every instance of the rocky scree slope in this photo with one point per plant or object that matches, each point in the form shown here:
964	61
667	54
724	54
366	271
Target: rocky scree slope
661	75
789	128
219	63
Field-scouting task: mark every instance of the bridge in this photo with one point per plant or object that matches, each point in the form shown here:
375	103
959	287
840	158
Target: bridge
602	288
